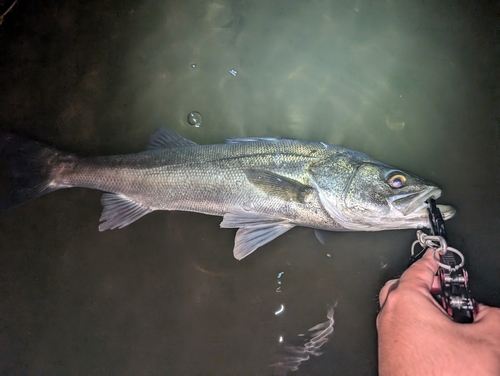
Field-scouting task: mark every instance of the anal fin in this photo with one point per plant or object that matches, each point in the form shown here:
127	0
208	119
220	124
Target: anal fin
120	211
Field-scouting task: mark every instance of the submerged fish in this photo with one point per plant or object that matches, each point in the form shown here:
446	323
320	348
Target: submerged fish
263	186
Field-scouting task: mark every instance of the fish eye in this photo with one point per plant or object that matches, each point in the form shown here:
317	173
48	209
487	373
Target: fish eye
397	180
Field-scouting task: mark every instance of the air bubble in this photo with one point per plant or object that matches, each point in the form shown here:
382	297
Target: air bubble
194	118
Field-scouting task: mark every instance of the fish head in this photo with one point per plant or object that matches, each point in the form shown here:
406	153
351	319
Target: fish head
380	197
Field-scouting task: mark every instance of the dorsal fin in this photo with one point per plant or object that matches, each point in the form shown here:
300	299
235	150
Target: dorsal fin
239	140
164	138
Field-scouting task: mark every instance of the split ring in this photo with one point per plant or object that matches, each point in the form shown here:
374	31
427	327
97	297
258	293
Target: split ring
453	250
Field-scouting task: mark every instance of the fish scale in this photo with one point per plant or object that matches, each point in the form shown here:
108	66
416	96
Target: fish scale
262	186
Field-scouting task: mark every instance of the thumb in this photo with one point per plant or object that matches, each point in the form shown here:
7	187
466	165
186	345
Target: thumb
421	273
384	292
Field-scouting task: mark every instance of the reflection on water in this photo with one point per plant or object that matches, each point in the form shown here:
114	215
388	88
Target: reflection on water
295	355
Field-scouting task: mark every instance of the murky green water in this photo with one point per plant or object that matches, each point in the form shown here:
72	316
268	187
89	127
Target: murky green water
413	84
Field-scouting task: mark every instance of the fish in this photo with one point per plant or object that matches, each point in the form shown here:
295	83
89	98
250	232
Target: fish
262	186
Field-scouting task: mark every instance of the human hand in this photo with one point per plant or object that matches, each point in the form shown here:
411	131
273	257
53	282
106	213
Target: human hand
417	337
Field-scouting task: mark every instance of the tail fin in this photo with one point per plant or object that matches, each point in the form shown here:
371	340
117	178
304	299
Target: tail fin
24	170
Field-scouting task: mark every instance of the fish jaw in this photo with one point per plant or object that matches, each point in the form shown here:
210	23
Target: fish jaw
411	210
420	217
419	204
413	202
447	211
395	220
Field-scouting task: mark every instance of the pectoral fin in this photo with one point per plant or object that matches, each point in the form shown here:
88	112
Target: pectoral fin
320	235
255	230
277	185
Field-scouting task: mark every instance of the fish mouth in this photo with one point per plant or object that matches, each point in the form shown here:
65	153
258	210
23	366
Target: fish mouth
416	202
414	206
447	211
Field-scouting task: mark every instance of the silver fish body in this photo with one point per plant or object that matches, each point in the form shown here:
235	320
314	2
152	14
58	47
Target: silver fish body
262	186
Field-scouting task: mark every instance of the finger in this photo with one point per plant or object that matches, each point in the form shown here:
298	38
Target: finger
421	273
384	292
436	285
484	312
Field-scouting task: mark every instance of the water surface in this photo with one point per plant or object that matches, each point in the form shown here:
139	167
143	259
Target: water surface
412	84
